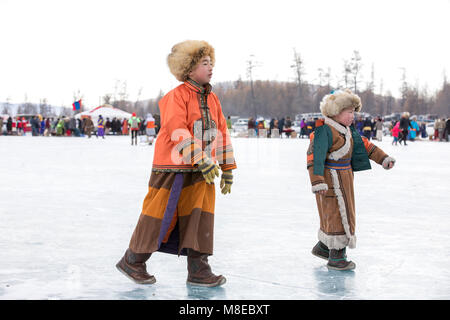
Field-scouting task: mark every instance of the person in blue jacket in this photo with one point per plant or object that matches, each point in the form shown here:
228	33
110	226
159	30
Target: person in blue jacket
414	129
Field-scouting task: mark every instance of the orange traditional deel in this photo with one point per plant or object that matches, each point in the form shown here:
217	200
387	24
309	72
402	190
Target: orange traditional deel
181	144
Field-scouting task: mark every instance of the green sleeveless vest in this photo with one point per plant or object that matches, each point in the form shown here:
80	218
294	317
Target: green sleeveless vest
323	140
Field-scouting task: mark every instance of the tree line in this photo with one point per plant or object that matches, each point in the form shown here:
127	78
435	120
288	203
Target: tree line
281	99
253	98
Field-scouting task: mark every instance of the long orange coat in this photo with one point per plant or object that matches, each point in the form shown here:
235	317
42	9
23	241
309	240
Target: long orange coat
192	127
178	211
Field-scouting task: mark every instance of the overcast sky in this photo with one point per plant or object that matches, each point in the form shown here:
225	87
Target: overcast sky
51	49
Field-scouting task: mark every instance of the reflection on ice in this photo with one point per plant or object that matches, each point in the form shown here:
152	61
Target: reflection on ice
217	293
332	284
139	293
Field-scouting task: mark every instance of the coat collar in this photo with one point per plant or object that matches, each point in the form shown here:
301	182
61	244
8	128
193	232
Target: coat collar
339	127
195	86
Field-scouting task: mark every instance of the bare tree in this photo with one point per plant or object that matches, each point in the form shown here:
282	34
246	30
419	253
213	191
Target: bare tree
66	112
390	103
116	85
382	99
44	108
403	88
327	77
27	107
355	67
442	104
107	98
299	71
6	109
137	103
321	76
347	72
122	94
251	64
444	74
371	83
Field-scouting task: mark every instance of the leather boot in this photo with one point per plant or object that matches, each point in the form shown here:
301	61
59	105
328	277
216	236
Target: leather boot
199	271
132	265
338	260
321	250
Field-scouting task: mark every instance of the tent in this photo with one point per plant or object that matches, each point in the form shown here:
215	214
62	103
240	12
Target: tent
106	111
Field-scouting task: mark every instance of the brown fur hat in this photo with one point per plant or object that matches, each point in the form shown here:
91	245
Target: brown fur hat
332	104
185	56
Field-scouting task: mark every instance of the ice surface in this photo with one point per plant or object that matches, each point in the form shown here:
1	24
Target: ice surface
68	207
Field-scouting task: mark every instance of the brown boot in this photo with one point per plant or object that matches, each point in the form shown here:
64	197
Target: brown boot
199	271
338	260
133	266
321	250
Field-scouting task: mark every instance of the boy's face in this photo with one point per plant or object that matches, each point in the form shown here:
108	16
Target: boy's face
202	72
346	117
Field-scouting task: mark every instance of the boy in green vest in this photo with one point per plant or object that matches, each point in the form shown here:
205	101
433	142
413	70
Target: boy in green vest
337	150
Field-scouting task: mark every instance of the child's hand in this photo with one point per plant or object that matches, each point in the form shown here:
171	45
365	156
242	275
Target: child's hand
209	170
226	182
388	163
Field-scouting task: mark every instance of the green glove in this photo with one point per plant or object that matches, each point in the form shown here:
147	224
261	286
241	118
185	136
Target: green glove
226	181
209	170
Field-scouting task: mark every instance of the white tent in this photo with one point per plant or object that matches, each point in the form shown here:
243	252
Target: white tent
106	111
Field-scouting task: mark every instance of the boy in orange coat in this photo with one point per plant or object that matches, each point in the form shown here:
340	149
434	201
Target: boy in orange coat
178	212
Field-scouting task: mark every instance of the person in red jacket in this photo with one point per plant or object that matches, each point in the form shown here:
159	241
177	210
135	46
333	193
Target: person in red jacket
178	212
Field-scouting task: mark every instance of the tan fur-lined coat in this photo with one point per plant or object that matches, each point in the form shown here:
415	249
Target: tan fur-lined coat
337	206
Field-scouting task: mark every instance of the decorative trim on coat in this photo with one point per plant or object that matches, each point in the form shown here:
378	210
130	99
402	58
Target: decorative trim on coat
351	239
336	242
338	154
319	187
339	241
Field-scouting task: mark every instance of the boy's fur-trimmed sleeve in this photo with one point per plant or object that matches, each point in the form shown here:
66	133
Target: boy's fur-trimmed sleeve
375	153
316	156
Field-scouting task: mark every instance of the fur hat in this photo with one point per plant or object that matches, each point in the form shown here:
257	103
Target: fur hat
185	55
332	104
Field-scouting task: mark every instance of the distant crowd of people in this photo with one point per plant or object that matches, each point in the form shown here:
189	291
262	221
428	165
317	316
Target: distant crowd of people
408	129
405	129
75	127
273	128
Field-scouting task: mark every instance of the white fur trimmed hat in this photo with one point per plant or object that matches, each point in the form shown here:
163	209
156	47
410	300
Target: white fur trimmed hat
332	104
185	55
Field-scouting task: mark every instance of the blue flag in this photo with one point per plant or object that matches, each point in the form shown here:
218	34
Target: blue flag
76	105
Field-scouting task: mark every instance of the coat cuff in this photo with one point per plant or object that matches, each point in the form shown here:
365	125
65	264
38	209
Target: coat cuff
228	167
319	187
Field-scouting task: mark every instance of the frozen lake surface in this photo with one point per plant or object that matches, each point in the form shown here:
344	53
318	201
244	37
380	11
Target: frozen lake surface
68	207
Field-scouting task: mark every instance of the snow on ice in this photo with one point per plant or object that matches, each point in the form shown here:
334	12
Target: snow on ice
68	207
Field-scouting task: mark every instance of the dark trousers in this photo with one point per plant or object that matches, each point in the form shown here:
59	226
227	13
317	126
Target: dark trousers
402	136
134	134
